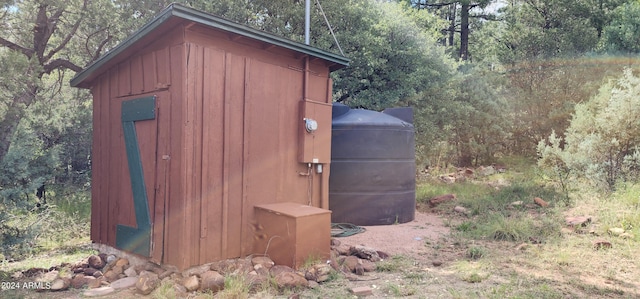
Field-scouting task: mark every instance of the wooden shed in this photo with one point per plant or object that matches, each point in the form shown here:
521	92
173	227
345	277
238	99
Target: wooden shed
199	122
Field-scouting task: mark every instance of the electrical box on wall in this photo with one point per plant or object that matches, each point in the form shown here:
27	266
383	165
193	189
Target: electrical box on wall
315	132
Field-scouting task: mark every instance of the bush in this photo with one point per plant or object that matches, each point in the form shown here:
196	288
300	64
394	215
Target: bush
26	233
602	141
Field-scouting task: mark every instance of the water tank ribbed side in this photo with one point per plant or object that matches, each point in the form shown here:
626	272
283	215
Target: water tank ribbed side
372	180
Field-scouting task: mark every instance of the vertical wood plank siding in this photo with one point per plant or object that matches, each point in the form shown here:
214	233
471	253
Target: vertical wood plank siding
175	232
234	153
212	156
225	138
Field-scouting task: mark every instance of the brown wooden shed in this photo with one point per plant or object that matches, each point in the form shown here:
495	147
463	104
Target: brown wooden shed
197	121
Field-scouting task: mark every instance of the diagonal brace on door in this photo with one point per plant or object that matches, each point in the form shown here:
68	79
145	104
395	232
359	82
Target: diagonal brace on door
136	239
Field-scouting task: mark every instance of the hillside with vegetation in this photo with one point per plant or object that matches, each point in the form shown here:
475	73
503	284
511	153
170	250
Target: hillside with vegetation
549	89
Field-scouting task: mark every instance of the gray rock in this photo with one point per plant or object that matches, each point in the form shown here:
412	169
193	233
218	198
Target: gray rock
486	171
368	266
366	253
211	281
124	283
290	280
449	179
461	210
318	273
152	267
235	266
191	283
111	276
616	231
60	284
96	262
362	291
93	282
48	277
601	244
149	273
197	270
264	261
98	291
260	269
147	282
66	274
165	274
277	269
79	281
130	272
359	270
343	249
111	258
170	268
89	271
577	221
350	262
122	262
118	269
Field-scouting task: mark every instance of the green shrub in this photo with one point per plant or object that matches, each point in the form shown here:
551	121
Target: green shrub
395	263
428	190
399	290
235	286
28	233
476	252
603	138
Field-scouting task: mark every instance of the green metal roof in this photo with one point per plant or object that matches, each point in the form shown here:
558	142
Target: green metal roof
179	11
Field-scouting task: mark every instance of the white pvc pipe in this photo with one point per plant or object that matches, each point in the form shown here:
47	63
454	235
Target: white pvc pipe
307	20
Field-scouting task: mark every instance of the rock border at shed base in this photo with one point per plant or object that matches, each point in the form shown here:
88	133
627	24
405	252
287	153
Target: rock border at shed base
113	270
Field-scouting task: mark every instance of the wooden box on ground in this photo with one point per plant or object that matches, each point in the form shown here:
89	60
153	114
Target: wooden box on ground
290	233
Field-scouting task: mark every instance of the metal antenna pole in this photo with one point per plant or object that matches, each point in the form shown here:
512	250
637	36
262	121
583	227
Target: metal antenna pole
307	20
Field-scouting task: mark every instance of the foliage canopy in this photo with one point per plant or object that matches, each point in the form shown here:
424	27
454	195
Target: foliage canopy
486	79
603	139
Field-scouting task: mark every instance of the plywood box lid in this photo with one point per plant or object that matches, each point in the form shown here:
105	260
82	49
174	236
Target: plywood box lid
176	13
291	209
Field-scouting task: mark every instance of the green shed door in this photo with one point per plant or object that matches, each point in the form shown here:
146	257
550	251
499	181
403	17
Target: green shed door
136	239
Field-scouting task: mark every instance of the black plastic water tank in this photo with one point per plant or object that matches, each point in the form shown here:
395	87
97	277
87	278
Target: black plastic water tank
372	179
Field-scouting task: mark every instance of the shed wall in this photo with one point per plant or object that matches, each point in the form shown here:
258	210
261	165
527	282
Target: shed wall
112	198
240	147
225	138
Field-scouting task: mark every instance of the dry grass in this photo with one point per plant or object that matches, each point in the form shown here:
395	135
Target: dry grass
497	252
525	252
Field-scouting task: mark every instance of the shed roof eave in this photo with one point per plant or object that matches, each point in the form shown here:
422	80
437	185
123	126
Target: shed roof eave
176	10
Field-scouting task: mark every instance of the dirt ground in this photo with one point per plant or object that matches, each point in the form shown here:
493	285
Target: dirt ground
433	263
403	238
424	254
429	261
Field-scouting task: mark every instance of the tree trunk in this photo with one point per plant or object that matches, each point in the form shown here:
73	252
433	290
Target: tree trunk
452	23
464	31
44	51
